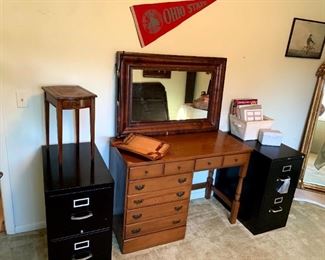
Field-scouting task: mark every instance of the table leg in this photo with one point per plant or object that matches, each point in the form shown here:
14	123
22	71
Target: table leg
59	123
92	127
47	122
209	184
236	202
77	125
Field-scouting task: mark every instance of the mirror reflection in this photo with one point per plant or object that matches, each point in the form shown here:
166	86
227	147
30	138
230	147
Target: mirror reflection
160	95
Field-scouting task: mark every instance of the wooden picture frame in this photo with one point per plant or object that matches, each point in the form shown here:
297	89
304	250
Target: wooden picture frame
164	74
306	40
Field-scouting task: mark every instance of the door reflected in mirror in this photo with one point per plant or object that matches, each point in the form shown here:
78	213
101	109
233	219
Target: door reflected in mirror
179	96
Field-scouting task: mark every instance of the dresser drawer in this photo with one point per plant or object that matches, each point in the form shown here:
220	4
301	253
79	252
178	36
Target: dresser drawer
236	159
158	197
208	163
78	212
163	210
161	183
142	172
92	246
138	229
179	167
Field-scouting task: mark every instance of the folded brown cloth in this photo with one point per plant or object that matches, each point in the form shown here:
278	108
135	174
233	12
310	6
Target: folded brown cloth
147	147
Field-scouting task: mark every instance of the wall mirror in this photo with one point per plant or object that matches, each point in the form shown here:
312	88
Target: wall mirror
167	94
313	143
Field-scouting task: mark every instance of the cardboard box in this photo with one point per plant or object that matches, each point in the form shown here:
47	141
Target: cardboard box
270	137
248	130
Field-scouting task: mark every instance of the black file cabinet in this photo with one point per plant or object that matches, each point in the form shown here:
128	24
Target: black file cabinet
79	203
269	186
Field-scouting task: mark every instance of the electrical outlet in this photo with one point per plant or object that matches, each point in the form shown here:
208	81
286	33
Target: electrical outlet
21	98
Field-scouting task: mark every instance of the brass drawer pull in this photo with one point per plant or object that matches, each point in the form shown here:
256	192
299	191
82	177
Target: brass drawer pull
209	163
176	221
182	180
178	208
138	201
137	216
180	193
146	172
139	187
179	168
135	231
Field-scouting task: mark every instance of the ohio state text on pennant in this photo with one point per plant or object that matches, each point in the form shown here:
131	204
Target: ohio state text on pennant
154	20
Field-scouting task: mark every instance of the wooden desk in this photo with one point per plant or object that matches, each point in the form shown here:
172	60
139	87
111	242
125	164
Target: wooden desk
69	97
151	197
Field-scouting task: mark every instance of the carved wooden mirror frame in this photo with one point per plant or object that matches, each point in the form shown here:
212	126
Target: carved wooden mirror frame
311	124
127	61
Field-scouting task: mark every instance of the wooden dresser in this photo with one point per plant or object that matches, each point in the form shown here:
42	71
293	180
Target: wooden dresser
152	197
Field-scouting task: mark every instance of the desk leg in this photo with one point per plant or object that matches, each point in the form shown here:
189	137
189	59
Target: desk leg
47	122
77	125
236	202
92	127
209	184
59	123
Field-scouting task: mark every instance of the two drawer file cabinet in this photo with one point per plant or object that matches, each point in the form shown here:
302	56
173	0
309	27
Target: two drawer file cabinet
269	186
79	203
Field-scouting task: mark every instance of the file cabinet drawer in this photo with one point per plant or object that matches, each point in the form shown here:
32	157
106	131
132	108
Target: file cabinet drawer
92	246
79	212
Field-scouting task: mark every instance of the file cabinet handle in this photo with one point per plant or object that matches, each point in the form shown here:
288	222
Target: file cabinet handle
276	210
182	180
139	187
88	215
180	193
89	256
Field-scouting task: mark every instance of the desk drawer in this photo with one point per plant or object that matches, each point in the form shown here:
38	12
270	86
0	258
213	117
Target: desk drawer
78	212
138	229
143	172
163	210
208	163
76	104
236	159
158	197
179	167
161	183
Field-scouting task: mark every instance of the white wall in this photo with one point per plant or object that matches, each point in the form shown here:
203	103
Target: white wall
74	42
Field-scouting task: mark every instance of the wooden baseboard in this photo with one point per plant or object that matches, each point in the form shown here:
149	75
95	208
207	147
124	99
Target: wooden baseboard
2	224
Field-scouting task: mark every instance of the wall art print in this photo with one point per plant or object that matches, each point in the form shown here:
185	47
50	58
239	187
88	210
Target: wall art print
306	40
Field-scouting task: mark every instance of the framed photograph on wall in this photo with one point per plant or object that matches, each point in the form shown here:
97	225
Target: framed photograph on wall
306	39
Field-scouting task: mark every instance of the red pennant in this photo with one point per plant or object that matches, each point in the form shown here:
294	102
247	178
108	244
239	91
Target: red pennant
154	20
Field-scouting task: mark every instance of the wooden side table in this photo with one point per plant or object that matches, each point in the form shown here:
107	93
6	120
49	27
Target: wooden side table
69	97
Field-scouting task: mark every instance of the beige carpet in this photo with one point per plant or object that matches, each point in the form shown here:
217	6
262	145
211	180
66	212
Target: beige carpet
209	236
